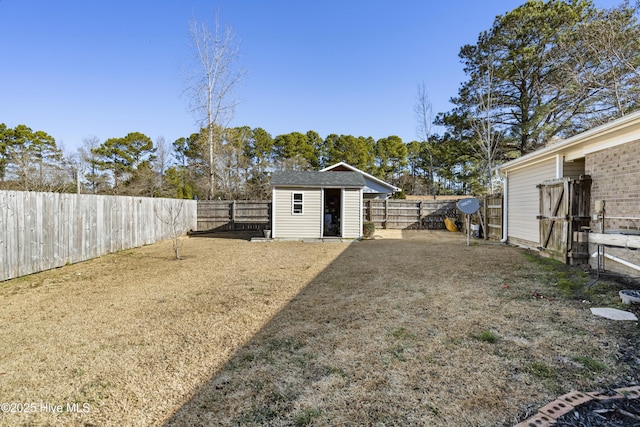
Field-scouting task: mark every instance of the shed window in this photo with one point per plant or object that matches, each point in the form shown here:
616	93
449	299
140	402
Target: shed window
297	203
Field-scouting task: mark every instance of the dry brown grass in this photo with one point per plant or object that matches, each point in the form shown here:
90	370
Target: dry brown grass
419	331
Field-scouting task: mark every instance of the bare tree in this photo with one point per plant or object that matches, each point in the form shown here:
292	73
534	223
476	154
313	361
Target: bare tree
424	117
87	164
73	168
161	162
171	215
163	155
604	57
211	81
486	140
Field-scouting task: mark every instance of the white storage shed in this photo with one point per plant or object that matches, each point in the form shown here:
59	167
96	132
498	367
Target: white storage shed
316	205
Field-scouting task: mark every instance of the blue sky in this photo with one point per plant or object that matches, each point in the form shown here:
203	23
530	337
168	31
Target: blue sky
97	68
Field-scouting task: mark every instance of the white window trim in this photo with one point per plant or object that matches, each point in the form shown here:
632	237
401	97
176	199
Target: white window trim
293	203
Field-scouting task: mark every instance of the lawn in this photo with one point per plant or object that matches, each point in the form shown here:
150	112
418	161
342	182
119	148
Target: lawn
416	331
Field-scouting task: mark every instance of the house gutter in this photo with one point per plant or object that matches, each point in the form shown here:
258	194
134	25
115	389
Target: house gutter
606	130
505	217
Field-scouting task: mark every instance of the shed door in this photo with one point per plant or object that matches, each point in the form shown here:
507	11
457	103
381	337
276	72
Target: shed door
554	218
332	219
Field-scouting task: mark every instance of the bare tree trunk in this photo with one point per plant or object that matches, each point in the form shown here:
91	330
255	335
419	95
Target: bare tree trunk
171	215
424	115
211	83
486	143
212	182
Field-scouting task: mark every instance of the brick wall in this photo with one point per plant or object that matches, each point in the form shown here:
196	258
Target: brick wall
616	180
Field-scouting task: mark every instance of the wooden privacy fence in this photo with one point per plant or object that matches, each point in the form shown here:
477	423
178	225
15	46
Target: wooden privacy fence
244	215
405	214
40	231
233	215
430	215
255	215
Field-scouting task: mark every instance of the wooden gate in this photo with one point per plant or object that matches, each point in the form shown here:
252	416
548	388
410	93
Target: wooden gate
492	213
564	208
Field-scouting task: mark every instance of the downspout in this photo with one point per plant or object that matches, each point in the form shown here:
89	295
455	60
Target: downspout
505	204
559	166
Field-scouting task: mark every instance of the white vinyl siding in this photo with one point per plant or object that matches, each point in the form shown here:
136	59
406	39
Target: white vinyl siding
573	169
298	226
523	204
351	213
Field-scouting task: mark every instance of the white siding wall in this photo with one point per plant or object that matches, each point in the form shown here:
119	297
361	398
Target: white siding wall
352	213
523	200
289	226
574	169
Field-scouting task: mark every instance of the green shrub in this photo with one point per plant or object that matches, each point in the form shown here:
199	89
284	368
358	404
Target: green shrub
368	228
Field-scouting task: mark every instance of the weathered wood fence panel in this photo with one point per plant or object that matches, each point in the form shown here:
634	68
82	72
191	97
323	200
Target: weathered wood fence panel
40	231
233	215
492	213
404	214
255	215
564	209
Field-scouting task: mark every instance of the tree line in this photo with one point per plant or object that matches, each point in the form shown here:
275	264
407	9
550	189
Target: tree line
243	160
543	72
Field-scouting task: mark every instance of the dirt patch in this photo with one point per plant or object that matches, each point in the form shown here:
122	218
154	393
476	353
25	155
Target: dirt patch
423	331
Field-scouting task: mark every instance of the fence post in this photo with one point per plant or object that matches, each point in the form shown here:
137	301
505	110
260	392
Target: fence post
420	215
233	215
386	212
370	212
485	223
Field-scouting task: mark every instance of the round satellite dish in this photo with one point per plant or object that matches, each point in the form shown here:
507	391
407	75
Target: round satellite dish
469	206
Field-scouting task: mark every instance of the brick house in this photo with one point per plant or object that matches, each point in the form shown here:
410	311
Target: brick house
610	155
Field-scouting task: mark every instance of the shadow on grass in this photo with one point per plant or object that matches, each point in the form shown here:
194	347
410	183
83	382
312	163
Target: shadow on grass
416	330
237	235
347	349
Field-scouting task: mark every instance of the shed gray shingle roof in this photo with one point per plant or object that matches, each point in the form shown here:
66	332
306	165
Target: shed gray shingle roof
317	179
